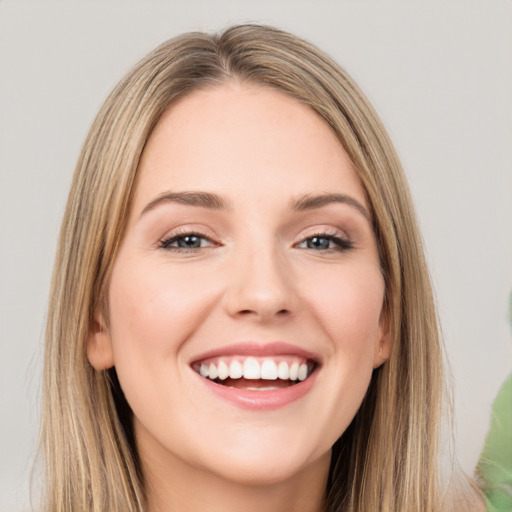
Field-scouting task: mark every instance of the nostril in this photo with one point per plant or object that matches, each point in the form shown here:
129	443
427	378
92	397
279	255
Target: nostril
280	313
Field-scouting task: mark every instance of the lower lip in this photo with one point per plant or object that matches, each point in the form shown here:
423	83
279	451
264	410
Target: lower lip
261	400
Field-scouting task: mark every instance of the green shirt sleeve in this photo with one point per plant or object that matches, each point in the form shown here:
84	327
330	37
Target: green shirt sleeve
495	466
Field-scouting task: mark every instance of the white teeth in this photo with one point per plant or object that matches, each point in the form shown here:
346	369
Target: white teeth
294	371
263	388
223	371
212	371
252	369
269	370
303	372
204	370
235	369
283	370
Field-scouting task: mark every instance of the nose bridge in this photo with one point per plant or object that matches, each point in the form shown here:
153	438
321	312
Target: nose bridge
259	283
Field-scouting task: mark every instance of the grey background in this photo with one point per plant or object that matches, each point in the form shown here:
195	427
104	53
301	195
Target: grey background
438	72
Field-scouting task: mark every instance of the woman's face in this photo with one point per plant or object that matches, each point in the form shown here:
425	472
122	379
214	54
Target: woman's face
245	303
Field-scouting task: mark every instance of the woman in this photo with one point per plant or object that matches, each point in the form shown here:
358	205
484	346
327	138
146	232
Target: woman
241	316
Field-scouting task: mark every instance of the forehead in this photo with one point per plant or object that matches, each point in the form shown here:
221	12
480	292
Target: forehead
243	140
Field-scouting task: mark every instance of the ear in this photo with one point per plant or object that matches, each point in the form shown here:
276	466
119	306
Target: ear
383	342
99	344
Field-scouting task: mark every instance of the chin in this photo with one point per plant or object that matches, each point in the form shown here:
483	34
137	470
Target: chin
267	457
269	471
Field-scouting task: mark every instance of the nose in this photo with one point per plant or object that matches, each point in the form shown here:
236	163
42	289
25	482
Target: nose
260	286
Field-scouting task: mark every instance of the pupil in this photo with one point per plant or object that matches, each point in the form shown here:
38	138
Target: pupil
318	242
189	242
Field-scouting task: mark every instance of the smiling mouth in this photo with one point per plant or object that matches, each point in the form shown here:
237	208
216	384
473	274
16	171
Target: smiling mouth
256	373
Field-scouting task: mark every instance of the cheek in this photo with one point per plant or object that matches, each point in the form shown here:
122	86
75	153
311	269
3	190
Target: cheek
154	310
348	305
154	307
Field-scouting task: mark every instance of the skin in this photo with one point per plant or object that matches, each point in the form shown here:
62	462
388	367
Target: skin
256	277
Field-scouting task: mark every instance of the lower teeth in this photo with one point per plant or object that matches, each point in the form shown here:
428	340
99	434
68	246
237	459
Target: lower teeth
256	385
267	388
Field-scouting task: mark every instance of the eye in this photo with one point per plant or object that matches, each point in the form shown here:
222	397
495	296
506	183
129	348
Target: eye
326	242
186	242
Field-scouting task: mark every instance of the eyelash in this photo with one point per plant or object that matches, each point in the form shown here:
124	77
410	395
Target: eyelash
166	242
342	244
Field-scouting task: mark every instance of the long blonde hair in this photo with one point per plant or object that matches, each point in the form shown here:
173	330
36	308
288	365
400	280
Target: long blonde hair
387	458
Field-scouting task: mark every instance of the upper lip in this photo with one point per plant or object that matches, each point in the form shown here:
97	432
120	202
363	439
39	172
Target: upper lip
251	348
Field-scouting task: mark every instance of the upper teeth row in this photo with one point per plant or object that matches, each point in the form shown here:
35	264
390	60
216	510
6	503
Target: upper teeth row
252	369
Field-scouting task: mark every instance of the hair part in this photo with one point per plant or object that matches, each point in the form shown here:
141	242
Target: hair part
387	458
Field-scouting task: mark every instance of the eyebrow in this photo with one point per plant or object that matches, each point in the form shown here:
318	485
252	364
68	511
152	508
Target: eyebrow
201	199
216	202
310	202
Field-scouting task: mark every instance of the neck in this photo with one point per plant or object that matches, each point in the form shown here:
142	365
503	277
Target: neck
173	485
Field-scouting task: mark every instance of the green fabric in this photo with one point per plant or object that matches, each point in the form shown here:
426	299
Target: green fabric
495	465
